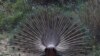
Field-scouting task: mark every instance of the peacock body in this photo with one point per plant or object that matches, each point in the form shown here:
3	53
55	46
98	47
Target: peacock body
48	30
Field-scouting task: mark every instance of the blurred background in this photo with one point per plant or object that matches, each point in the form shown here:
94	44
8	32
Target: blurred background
12	12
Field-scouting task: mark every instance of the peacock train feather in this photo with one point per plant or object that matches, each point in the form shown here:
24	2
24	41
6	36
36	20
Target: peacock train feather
51	30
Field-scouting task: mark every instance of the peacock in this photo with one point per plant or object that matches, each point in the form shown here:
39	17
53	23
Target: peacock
50	33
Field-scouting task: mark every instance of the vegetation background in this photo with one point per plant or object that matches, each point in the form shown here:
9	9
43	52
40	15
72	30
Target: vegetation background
12	12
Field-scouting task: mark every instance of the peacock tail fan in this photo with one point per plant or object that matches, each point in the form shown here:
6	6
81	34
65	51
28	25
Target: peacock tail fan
47	29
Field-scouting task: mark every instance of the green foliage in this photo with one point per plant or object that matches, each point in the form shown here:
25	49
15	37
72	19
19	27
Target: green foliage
12	13
89	14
